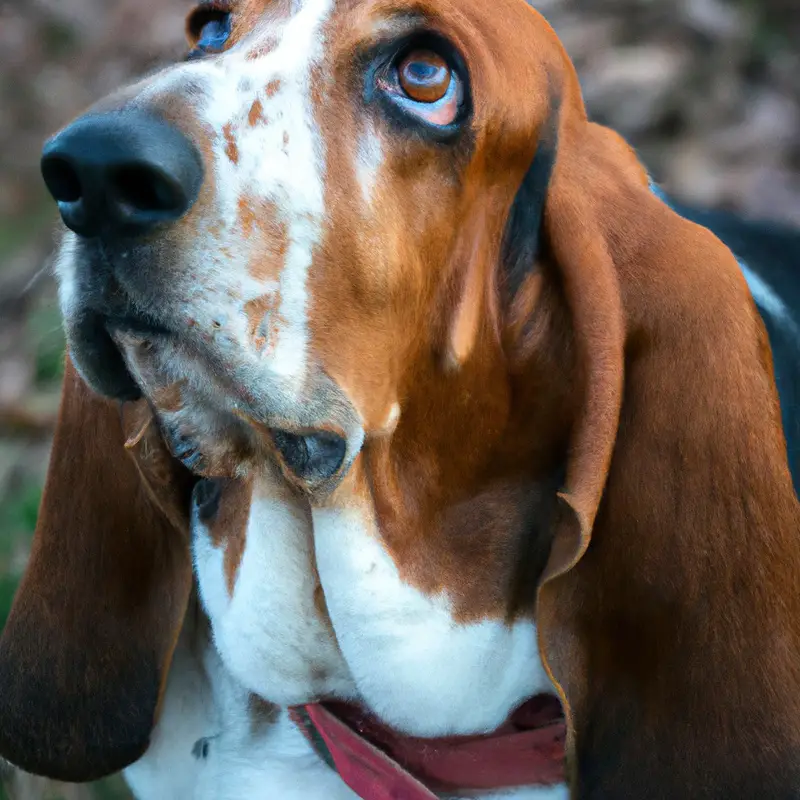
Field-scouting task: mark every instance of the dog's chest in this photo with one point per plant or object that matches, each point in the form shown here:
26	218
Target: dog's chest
312	605
216	741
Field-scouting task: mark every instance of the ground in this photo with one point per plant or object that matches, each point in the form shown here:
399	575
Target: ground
707	90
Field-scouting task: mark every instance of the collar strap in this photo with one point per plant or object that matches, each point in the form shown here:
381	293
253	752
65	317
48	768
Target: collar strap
378	763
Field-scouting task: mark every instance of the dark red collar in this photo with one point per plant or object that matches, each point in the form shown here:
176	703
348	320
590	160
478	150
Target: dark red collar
378	763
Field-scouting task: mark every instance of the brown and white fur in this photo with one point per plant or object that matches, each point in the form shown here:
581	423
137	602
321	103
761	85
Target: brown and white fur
563	459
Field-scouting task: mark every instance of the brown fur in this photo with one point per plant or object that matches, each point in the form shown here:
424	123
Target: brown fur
676	639
228	528
638	360
86	650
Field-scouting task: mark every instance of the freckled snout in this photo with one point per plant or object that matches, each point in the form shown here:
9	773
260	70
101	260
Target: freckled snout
121	174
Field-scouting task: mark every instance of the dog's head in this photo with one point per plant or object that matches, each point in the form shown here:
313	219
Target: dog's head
314	247
298	242
377	277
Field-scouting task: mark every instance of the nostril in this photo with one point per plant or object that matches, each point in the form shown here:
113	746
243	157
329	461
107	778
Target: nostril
61	179
122	173
141	188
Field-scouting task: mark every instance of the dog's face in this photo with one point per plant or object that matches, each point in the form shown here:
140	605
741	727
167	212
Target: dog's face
439	358
330	334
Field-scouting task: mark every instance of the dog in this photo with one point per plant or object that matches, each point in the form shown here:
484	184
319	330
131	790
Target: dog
399	404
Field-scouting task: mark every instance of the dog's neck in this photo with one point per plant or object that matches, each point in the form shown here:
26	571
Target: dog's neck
216	741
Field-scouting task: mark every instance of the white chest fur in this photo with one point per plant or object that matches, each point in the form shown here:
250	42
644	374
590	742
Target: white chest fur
375	638
413	665
214	741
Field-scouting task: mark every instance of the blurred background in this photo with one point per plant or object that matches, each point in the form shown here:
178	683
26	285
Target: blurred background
707	90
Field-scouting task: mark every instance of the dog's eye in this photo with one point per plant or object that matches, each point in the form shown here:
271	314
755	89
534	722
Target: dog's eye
424	76
423	83
208	29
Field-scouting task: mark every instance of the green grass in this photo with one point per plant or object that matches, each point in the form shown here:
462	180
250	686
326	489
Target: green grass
44	328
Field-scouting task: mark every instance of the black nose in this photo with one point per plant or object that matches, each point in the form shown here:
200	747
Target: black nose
121	174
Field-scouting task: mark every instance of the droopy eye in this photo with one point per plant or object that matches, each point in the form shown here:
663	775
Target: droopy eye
423	83
208	29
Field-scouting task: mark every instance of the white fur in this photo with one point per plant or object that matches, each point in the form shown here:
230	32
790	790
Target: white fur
413	665
409	661
370	158
169	769
247	758
281	160
278	764
766	297
65	266
270	632
260	760
210	570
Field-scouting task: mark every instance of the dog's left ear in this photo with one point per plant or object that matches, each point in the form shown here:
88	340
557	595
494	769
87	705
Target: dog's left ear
669	614
85	652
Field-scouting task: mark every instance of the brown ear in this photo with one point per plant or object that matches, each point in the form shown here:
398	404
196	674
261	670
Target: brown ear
669	615
85	652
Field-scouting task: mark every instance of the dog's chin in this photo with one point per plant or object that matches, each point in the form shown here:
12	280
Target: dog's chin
98	359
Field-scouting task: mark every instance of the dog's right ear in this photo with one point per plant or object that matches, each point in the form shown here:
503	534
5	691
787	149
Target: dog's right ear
668	615
86	650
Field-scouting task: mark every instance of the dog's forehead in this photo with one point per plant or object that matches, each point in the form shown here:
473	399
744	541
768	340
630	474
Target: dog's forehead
271	104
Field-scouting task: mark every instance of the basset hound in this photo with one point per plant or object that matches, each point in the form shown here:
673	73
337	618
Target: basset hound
399	403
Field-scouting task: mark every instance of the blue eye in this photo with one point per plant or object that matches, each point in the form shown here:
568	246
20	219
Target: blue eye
208	30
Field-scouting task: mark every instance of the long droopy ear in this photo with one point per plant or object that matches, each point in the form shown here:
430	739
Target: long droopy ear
669	613
85	652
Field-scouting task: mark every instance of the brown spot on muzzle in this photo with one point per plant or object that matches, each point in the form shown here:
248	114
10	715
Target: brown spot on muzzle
261	217
259	311
231	148
169	398
256	115
261	50
247	216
